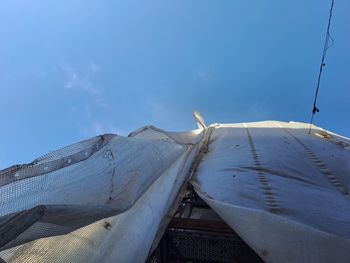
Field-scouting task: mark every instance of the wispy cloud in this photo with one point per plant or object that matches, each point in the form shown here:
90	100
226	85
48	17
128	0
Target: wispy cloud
204	74
81	79
87	112
99	127
157	109
93	67
78	82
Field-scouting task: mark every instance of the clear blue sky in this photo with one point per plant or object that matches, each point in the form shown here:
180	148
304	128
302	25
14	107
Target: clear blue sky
73	69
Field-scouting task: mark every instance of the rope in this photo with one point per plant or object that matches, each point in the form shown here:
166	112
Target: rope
325	49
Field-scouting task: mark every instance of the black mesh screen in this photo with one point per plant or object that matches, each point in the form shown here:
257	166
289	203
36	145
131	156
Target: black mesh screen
197	246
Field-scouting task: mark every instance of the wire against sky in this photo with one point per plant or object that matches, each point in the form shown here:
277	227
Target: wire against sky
325	49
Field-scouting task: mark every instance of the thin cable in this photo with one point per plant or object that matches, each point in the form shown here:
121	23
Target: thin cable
326	46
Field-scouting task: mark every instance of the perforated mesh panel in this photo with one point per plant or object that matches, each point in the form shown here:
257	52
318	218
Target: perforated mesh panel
77	246
55	160
197	246
51	208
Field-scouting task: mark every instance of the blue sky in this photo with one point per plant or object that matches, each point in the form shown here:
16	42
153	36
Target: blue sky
70	70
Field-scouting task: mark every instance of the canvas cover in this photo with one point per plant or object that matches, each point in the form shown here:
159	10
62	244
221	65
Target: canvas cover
283	190
107	199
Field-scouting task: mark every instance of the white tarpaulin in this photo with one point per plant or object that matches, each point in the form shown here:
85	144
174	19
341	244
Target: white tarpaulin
284	191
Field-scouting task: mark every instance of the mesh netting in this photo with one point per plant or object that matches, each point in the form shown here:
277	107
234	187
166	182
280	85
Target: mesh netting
60	201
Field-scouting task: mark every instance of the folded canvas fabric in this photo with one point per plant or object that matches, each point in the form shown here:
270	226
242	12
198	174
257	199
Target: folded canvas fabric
284	190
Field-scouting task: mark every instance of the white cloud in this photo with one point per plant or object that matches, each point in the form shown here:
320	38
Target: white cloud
97	128
157	108
78	82
82	80
87	112
161	114
203	75
93	67
87	116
